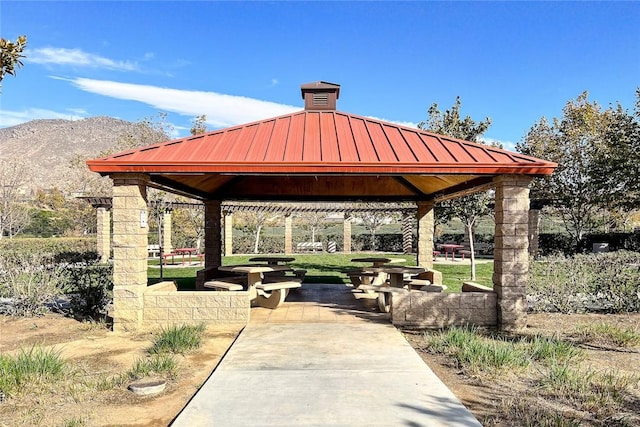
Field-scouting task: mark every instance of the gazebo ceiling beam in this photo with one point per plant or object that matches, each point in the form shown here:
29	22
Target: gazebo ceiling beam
162	183
323	198
405	183
469	187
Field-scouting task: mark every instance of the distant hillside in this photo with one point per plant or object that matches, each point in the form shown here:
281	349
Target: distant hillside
49	145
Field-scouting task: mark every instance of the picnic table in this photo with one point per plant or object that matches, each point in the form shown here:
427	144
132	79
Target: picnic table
368	275
450	248
272	260
269	292
396	277
179	251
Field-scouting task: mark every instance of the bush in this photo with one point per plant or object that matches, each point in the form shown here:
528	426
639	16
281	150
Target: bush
605	282
89	283
244	244
31	281
50	246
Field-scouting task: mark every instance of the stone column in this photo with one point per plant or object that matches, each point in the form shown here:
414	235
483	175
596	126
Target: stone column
130	231
103	218
167	246
407	233
425	234
511	256
534	231
288	234
212	237
346	234
228	234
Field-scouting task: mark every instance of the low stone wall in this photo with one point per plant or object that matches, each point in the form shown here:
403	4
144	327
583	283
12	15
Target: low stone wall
439	310
165	306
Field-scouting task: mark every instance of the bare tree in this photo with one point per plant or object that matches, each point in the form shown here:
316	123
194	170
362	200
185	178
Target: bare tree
14	211
255	221
373	220
312	221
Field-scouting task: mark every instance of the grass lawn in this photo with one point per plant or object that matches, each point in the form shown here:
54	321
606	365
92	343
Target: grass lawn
328	268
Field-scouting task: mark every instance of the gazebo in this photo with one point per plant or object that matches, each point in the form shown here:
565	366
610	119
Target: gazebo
318	154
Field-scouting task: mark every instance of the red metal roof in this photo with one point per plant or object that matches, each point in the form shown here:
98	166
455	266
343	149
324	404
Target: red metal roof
321	143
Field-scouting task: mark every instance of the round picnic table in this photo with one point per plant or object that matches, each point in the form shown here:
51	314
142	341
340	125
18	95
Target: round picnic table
396	283
376	261
254	274
272	260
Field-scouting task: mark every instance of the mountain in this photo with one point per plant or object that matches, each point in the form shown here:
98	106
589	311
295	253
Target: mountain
49	145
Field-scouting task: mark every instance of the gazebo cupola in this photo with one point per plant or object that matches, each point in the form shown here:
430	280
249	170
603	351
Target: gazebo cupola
320	95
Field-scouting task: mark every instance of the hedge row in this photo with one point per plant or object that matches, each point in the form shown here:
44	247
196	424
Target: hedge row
50	246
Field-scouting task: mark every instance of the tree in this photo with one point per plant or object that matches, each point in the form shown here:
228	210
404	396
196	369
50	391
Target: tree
312	221
254	222
372	221
14	211
572	190
199	125
471	207
189	225
618	159
11	55
148	131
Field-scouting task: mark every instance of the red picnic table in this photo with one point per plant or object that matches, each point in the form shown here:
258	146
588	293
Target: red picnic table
179	251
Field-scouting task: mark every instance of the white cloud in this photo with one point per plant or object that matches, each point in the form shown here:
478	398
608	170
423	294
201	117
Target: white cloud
77	58
397	122
507	145
12	118
221	110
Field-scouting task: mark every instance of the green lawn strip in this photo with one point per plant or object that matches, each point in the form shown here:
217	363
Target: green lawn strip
329	268
454	274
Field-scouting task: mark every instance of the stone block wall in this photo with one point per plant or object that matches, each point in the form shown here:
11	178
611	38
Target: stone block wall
439	310
165	306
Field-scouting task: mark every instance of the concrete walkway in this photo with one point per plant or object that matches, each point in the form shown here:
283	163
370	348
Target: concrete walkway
358	373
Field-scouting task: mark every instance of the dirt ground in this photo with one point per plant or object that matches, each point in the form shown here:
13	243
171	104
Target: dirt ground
483	397
95	352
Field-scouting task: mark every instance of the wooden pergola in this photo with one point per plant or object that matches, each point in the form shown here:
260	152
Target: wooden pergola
321	155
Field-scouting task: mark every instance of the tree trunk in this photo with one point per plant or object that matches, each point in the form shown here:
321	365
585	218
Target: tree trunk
472	255
257	242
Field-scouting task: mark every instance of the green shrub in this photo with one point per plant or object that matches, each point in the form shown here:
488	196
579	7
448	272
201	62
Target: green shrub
89	283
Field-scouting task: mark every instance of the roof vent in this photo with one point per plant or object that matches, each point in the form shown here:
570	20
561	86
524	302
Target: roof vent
320	95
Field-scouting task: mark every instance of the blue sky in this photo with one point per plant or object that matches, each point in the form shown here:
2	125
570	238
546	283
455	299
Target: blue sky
242	61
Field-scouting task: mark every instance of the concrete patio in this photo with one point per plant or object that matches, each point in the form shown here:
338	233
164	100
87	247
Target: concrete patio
323	359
